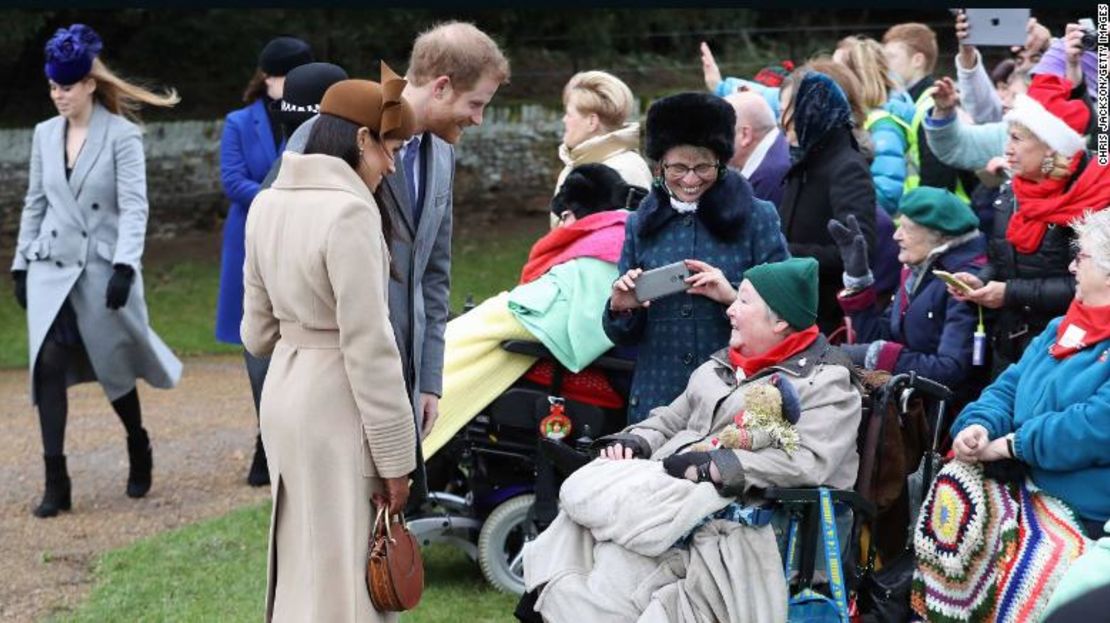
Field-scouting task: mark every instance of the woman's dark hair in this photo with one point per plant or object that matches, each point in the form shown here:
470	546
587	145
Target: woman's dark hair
256	87
589	189
333	136
1002	71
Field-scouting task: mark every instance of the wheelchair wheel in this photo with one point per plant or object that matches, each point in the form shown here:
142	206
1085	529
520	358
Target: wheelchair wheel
501	543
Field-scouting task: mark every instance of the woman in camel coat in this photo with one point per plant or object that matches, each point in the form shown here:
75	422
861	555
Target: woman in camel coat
336	420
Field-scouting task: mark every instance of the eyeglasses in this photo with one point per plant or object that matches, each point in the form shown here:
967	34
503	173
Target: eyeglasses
704	170
1079	257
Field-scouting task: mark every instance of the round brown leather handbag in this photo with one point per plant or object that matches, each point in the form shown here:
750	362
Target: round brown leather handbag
394	569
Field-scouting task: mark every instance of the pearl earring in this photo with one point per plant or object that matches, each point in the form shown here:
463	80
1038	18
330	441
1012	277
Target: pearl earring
1048	164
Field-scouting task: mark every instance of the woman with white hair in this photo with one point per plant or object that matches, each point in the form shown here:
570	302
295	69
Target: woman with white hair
992	545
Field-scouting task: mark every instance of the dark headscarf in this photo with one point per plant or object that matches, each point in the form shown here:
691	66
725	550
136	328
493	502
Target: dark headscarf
820	106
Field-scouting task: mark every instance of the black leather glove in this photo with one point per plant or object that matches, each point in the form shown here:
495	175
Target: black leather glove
20	279
676	465
852	245
119	286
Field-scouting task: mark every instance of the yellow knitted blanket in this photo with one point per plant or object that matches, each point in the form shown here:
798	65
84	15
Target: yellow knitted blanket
475	368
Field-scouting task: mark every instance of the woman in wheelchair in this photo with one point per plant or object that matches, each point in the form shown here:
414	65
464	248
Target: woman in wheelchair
637	539
559	302
923	329
1031	481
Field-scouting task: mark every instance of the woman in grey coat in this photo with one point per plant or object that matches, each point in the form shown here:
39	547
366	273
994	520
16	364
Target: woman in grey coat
78	257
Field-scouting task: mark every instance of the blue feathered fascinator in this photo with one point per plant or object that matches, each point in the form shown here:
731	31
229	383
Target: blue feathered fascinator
70	53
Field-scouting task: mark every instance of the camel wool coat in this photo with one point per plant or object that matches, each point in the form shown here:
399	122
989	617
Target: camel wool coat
335	414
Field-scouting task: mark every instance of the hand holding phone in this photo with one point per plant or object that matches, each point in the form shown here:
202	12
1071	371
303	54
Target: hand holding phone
954	281
659	282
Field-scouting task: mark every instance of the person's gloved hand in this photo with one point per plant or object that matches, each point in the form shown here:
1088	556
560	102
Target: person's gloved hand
119	286
679	466
20	279
853	247
630	447
856	352
791	404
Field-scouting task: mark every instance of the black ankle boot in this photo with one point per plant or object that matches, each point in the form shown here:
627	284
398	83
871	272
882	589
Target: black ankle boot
56	496
142	461
260	470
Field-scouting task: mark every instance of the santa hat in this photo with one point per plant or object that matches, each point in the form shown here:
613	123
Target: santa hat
1049	114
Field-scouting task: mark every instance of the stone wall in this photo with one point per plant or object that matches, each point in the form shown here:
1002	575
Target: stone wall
508	164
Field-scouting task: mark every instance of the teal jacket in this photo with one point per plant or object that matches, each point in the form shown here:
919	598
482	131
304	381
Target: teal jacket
1060	412
963	145
563	309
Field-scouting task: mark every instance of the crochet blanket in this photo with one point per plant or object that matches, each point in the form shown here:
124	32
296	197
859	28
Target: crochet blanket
988	551
610	555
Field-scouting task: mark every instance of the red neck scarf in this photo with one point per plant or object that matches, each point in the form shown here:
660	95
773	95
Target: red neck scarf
1046	202
796	343
599	235
1082	327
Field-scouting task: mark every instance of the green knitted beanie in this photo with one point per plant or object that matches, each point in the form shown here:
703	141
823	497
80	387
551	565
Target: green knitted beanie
789	288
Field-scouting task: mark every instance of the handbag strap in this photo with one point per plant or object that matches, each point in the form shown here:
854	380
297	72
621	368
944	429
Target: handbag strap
833	566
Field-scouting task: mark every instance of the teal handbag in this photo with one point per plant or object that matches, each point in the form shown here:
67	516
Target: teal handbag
807	605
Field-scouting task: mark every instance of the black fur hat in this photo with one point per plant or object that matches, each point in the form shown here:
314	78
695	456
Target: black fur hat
590	188
699	119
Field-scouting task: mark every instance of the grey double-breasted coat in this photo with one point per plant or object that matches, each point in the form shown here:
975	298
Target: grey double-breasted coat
71	233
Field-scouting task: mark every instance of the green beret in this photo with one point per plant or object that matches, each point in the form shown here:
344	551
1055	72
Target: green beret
939	210
789	288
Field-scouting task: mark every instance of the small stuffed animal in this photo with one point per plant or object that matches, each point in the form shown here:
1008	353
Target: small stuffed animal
767	421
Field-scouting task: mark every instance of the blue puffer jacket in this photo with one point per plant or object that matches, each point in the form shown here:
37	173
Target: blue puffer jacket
923	329
731	230
888	137
1059	410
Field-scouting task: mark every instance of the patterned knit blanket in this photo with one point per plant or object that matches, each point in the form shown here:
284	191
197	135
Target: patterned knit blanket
990	552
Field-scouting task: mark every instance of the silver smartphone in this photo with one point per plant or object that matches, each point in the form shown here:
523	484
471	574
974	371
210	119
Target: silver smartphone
663	281
996	27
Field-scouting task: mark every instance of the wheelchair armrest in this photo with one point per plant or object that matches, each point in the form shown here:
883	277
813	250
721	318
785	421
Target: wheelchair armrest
524	347
806	496
536	349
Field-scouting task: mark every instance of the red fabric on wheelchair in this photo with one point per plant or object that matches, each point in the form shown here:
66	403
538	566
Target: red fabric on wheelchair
589	386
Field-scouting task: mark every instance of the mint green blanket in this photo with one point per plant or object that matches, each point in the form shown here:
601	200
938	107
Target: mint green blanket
563	309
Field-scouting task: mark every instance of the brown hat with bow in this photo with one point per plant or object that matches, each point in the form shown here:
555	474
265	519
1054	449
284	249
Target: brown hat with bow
378	107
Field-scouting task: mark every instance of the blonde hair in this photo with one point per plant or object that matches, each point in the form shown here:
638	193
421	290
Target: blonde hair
1061	164
864	56
460	51
125	98
602	94
918	38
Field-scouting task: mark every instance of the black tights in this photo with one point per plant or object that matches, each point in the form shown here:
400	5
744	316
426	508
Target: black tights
50	393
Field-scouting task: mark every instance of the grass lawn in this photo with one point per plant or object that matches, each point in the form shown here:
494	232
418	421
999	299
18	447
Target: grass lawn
215	571
181	294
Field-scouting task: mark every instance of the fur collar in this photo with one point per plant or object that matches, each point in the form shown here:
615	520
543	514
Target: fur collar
723	209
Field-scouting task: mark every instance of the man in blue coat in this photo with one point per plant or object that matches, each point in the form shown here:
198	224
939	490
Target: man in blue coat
762	154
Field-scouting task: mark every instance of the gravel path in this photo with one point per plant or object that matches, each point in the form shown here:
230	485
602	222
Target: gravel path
202	433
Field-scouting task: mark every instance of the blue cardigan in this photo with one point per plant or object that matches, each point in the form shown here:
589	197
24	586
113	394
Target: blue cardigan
246	154
1060	411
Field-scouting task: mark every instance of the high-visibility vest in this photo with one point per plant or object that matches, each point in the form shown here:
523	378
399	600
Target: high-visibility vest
913	149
